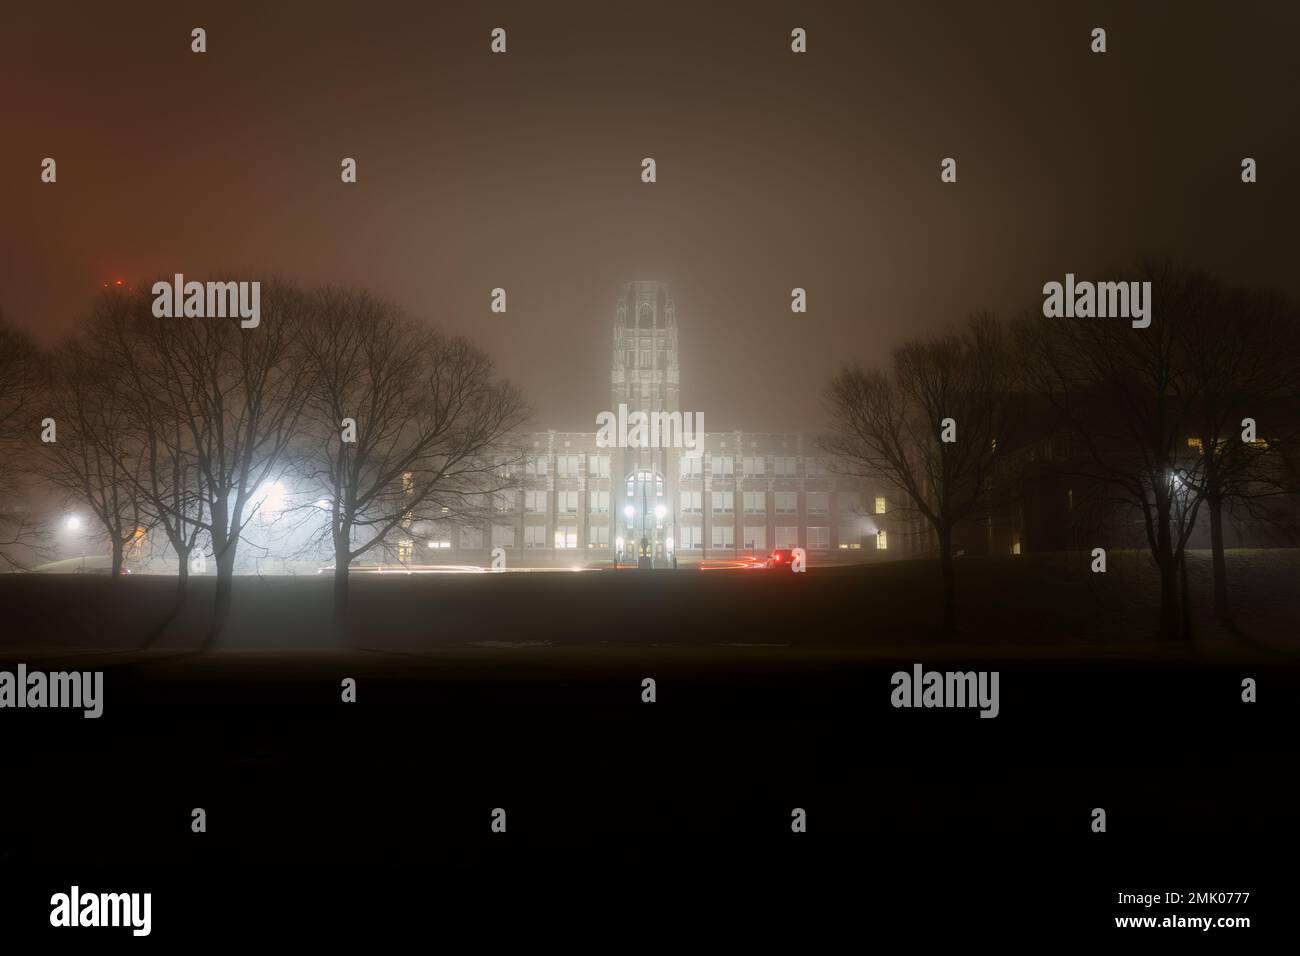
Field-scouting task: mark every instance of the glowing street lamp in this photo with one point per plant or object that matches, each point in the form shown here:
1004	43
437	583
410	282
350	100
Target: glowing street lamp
628	512
74	523
660	511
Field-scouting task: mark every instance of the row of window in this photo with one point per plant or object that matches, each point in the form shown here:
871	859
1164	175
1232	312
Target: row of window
692	539
692	502
692	466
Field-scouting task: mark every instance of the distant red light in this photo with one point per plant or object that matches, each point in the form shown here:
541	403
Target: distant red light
119	281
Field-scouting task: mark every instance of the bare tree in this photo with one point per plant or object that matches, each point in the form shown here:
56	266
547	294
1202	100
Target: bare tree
1126	393
94	453
407	426
890	424
21	393
166	471
1242	362
239	394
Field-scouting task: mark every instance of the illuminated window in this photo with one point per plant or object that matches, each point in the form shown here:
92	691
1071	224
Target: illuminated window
566	502
850	540
692	538
598	536
724	502
598	466
566	537
439	544
882	541
405	548
724	536
598	502
880	504
755	537
819	539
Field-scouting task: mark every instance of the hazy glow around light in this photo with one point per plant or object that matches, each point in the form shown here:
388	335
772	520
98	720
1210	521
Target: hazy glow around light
270	498
74	523
628	512
660	511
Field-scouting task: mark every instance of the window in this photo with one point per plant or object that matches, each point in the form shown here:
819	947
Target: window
755	537
598	466
787	502
535	502
692	466
405	548
849	501
503	502
645	358
724	536
724	502
724	466
503	536
787	538
598	536
566	466
819	539
692	502
438	544
566	537
752	467
880	504
850	540
566	502
882	540
534	536
692	537
471	538
598	502
815	468
818	502
755	502
786	467
535	466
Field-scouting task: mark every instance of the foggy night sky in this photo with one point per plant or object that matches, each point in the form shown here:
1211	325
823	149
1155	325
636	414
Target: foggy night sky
523	171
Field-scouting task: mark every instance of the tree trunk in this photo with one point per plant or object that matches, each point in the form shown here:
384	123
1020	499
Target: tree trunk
1221	608
949	582
118	555
224	593
341	560
1186	606
182	575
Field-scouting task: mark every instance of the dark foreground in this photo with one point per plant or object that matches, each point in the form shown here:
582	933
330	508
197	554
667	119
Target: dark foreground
373	819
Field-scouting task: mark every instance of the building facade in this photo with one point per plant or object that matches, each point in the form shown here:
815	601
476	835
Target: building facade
733	494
